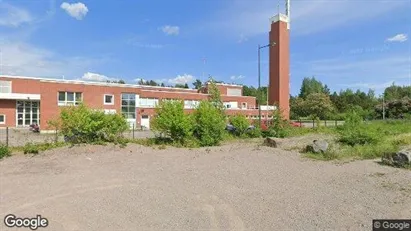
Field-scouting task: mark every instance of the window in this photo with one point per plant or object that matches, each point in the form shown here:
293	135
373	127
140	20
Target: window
5	86
128	105
244	105
190	104
69	98
148	102
2	119
109	99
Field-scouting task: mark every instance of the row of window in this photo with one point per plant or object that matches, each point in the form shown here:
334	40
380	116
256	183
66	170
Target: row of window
74	98
5	86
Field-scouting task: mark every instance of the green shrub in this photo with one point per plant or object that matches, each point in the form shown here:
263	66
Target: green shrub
254	133
4	151
356	132
240	123
279	126
30	148
171	121
209	125
83	125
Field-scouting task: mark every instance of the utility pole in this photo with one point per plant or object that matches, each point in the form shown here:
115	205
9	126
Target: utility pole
383	106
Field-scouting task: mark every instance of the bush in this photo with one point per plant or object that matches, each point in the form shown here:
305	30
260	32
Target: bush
254	133
30	148
171	121
279	127
355	132
209	125
4	151
80	124
240	123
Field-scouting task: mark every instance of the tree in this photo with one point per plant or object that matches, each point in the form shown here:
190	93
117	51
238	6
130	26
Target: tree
197	84
186	86
310	86
209	124
178	85
171	121
215	95
318	105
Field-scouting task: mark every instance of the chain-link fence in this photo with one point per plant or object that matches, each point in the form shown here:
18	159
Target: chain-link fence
15	137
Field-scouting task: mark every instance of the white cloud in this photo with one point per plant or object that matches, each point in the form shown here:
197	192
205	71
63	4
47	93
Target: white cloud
150	46
182	79
75	10
237	77
398	38
170	30
11	16
19	58
96	77
250	19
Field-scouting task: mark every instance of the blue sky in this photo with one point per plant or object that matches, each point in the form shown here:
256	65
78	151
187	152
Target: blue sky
344	43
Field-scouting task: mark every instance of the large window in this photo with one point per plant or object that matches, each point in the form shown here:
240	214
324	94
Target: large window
2	119
69	98
28	112
128	105
148	102
5	86
190	104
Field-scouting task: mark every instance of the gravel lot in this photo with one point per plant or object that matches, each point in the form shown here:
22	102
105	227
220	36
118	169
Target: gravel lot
241	186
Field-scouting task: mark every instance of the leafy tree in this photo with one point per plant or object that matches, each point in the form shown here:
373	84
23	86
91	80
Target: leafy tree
240	123
215	96
162	85
318	105
171	121
197	84
209	126
186	86
310	86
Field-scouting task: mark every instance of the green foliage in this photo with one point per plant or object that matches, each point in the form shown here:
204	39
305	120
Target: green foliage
30	148
215	95
4	151
209	124
355	132
278	127
312	86
172	122
197	84
240	122
83	125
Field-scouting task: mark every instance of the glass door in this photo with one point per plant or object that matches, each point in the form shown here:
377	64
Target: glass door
28	112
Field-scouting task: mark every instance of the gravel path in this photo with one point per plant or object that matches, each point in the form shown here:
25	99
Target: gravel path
232	187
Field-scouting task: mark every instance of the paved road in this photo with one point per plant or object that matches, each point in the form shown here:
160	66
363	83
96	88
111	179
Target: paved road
233	187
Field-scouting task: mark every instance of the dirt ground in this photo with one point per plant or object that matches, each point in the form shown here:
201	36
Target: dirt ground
238	186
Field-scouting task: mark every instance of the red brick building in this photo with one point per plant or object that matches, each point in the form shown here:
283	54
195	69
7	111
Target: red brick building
28	100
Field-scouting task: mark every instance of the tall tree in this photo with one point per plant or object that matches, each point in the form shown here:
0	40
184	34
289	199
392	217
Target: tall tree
197	84
311	85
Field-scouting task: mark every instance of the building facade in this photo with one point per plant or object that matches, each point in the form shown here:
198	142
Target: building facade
30	100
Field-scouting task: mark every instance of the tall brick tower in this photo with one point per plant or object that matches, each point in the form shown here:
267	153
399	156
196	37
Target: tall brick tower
279	62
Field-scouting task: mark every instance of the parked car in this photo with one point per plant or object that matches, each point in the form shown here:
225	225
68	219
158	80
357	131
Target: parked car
296	124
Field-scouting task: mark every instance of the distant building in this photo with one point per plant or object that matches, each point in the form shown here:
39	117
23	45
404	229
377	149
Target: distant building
28	100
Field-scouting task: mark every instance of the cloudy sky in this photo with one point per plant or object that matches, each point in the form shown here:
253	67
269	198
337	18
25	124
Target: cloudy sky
344	43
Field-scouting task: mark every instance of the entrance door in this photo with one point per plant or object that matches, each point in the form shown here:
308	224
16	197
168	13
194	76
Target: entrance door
28	112
145	121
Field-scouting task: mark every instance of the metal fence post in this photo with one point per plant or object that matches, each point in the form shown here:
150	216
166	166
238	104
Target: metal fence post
7	136
325	122
313	123
56	137
133	129
336	123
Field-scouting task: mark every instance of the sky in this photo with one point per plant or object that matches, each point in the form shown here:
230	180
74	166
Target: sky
358	44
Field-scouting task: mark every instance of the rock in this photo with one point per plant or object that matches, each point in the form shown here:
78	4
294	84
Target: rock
319	146
402	158
270	142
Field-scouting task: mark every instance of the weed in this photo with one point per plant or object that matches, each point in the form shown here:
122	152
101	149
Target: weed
4	151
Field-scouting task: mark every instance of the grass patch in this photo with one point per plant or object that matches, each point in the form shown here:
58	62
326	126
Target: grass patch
367	140
4	151
35	148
